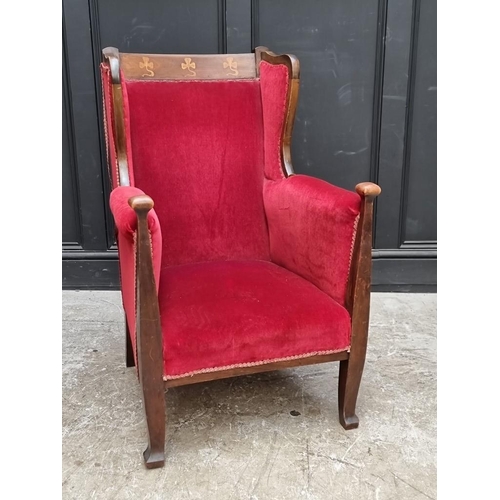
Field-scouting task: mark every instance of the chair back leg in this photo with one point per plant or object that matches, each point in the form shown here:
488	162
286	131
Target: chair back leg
129	350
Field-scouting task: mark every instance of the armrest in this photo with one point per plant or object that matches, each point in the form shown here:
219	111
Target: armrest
125	216
312	228
368	190
125	202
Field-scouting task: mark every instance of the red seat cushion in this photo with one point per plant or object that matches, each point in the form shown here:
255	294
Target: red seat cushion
227	314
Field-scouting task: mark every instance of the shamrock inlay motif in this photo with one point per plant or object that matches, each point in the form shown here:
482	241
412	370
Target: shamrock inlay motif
148	66
232	65
189	65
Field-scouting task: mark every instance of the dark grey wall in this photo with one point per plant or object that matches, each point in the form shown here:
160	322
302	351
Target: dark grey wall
367	111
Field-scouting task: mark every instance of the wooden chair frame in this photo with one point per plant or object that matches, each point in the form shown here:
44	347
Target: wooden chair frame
148	327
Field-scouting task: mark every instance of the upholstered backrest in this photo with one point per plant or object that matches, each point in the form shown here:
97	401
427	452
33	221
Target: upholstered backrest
201	148
197	150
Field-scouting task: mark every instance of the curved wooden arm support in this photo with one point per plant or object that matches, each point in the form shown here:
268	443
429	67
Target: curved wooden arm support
149	336
111	57
358	305
293	66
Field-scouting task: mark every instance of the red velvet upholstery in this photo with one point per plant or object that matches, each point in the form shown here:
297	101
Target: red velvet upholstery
237	313
126	226
274	86
312	228
197	151
208	153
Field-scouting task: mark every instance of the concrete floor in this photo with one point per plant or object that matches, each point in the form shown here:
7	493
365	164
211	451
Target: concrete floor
236	438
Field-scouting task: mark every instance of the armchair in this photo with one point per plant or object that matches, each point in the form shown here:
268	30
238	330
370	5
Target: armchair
239	265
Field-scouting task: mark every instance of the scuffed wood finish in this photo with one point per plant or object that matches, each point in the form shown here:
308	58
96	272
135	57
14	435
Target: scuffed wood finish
258	56
111	57
358	305
149	337
249	370
293	66
188	66
368	190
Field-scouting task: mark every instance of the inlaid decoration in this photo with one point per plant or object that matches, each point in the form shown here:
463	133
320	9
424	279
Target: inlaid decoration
148	66
189	65
231	64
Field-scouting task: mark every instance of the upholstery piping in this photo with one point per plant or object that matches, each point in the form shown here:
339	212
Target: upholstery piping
254	363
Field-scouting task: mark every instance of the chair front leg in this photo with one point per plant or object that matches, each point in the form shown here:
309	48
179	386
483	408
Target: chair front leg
350	373
351	369
149	338
154	407
358	304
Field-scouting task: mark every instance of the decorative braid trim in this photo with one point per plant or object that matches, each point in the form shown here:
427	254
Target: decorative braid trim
198	80
106	136
281	162
136	356
255	363
354	232
151	245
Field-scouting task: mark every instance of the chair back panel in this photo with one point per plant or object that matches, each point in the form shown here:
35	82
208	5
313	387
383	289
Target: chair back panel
197	148
188	67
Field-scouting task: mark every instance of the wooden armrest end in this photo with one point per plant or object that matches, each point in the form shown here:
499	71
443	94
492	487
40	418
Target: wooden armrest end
141	202
368	189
